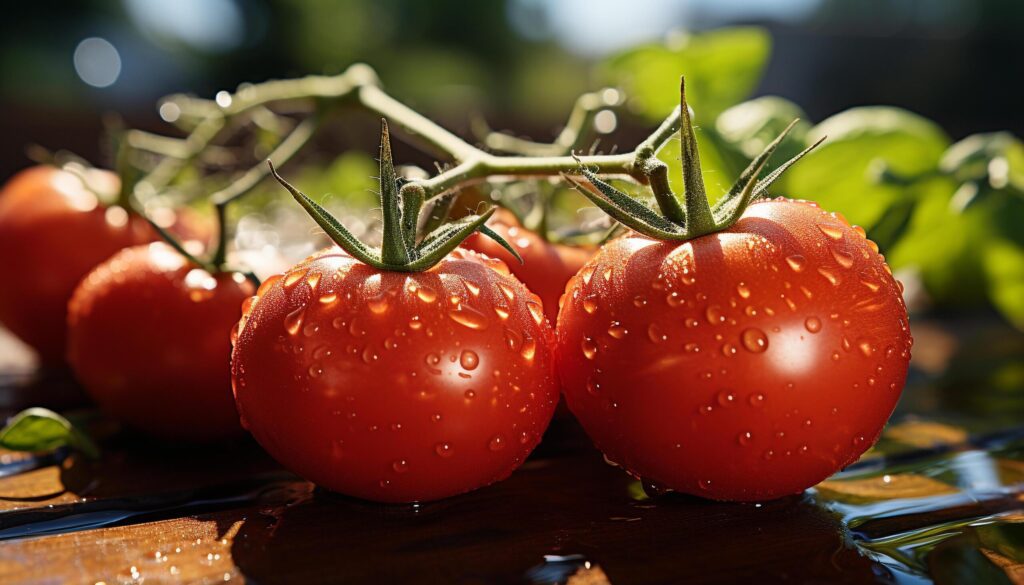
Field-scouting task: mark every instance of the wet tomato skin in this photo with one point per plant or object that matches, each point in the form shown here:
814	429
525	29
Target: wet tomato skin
744	365
52	232
149	339
546	266
396	387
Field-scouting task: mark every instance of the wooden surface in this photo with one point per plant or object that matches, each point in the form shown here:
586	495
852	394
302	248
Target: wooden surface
945	497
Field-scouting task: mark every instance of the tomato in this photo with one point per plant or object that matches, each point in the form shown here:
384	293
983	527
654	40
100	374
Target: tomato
148	338
746	364
394	386
52	232
546	267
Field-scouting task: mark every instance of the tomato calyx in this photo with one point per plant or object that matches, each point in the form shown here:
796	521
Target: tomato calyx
402	248
696	216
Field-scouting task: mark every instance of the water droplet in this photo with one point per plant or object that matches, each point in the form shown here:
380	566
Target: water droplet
378	305
743	290
593	388
705	409
293	277
311	329
756	400
370	355
726	398
497	443
589	348
501	312
655	333
469	360
470	394
436	417
833	232
858	440
844	259
768	455
705	484
835	356
714	315
796	262
587	273
803	450
691	348
536	311
865	347
590	305
829	275
267	285
468	317
471	288
529	349
355	327
745	438
444	450
415	323
426	294
400	466
293	320
312	280
754	340
328	299
812	324
674	299
639	301
616	330
729	350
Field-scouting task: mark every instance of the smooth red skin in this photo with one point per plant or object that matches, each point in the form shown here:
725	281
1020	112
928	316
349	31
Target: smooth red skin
546	267
47	245
353	390
153	350
645	400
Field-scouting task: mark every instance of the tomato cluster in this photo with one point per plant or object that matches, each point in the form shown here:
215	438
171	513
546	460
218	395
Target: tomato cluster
741	351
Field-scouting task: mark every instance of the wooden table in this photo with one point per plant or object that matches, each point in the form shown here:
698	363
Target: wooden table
924	505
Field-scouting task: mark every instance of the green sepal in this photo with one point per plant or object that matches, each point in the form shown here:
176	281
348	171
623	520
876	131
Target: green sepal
763	184
501	241
41	429
625	209
443	240
725	205
438	211
394	246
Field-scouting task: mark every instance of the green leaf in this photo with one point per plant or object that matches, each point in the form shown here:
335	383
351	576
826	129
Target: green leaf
752	125
841	174
40	429
1003	263
722	67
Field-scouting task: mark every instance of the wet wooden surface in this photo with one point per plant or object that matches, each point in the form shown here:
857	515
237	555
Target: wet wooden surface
935	501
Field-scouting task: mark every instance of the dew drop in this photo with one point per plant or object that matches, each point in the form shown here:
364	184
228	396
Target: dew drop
835	356
607	274
267	285
529	349
691	348
639	301
470	394
400	466
768	455
426	294
589	305
745	438
293	277
844	259
714	315
812	324
829	275
726	398
655	333
415	323
865	347
469	360
831	231
328	299
743	290
313	279
536	311
587	273
616	330
589	348
691	322
444	450
501	312
293	320
468	317
729	350
796	262
378	305
472	288
497	443
705	484
593	388
756	400
754	340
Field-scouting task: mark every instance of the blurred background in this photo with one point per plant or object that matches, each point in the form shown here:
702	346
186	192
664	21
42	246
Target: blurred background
520	62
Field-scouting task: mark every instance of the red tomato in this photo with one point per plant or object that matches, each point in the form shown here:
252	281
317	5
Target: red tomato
52	232
743	365
546	267
148	338
396	387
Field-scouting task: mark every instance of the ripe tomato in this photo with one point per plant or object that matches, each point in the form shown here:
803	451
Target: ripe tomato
742	365
546	267
52	232
395	387
148	338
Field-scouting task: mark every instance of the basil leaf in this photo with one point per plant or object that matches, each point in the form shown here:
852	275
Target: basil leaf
40	429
